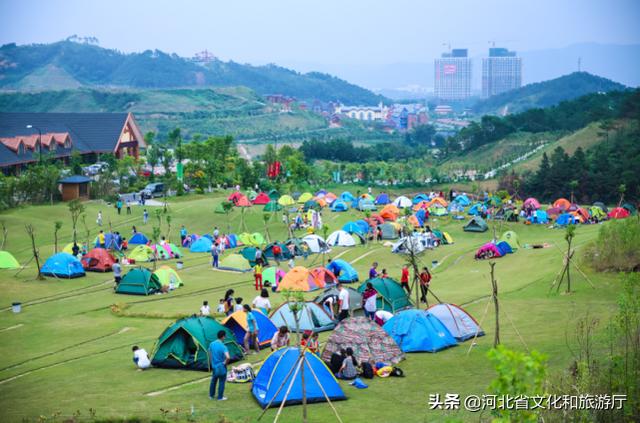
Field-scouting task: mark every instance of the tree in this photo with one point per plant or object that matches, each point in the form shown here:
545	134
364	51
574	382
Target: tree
57	225
573	185
32	235
76	209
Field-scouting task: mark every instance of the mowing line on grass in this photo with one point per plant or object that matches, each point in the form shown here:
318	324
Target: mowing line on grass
57	296
12	327
364	255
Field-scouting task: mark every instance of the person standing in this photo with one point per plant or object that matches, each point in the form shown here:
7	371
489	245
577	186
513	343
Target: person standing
219	359
145	216
257	274
183	234
261	302
128	204
215	255
228	302
216	233
259	256
117	272
251	336
343	302
370	296
101	239
425	281
99	218
75	250
373	272
404	279
119	206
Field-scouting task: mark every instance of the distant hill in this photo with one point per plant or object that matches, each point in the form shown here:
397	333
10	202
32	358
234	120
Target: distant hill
547	93
68	64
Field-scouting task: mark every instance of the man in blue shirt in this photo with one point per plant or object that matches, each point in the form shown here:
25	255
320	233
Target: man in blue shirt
219	358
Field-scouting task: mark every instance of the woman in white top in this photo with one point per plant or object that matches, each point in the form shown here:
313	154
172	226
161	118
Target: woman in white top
262	302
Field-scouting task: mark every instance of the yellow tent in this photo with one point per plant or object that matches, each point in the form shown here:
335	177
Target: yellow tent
167	276
306	196
286	200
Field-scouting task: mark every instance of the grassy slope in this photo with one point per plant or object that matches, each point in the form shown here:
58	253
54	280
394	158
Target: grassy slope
56	376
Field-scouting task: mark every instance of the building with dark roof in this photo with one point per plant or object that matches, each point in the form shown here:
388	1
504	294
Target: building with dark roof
26	137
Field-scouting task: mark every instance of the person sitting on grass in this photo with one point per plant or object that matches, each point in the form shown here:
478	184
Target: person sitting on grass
141	358
238	306
220	308
348	370
251	336
205	310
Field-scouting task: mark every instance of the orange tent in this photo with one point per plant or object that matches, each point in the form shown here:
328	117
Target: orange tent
438	200
421	205
581	214
414	221
324	276
562	203
330	197
390	212
300	279
321	202
98	260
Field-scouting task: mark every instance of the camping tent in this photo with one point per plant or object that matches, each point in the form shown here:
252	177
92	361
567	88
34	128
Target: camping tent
369	342
98	260
601	205
504	247
272	206
565	219
391	296
339	206
8	261
274	194
301	279
185	344
488	250
141	253
286	200
306	196
511	238
477	224
237	323
284	255
462	200
201	245
311	205
365	204
343	271
138	238
355	297
168	277
476	209
618	213
62	265
388	231
347	197
419	198
273	275
275	373
390	212
311	317
261	199
596	213
459	323
531	203
235	263
139	281
419	330
177	253
163	252
330	197
382	199
242	201
409	244
341	239
540	216
402	202
562	204
353	227
316	244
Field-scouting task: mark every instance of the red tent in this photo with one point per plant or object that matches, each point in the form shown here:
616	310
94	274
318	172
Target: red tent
562	203
98	260
242	201
234	197
618	213
261	199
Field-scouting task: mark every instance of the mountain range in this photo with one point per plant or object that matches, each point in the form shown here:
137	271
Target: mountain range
68	64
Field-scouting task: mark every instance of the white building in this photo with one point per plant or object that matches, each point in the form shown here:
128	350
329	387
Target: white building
366	113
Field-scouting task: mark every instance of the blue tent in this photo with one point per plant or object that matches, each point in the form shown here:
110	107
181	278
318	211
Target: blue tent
504	248
364	225
420	197
201	245
312	317
421	215
232	241
460	323
540	216
343	271
62	265
382	199
366	204
276	372
462	199
347	197
339	206
321	192
138	238
109	242
237	322
476	209
565	219
455	207
353	227
418	330
208	236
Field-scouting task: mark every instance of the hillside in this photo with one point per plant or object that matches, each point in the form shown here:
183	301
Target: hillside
545	94
67	64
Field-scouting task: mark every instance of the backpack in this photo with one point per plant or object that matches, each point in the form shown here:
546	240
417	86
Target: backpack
397	372
367	370
241	374
335	363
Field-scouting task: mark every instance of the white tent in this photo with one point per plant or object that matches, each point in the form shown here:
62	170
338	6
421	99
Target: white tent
410	243
402	202
341	239
316	244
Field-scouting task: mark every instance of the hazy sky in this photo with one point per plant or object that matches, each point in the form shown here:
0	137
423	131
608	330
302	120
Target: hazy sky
322	31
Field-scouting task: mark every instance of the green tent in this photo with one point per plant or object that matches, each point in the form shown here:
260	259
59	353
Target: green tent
167	276
251	195
630	208
185	344
8	261
177	253
511	238
476	224
391	296
597	213
257	239
274	194
234	262
139	281
141	253
249	254
388	231
161	252
272	206
220	207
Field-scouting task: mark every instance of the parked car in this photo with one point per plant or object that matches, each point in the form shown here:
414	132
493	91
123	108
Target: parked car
153	190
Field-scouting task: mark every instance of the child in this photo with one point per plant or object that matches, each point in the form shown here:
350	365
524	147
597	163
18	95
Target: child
313	345
220	308
238	306
205	310
305	340
384	274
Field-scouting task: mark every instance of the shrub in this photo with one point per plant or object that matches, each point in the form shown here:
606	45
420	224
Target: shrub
617	247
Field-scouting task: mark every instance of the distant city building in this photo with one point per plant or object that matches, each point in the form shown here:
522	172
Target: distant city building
283	100
453	76
443	110
501	71
366	113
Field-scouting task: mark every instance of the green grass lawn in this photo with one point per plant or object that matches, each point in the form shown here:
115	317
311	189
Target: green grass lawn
67	352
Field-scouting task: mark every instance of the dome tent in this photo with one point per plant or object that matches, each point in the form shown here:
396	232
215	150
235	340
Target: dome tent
402	202
273	275
272	206
419	330
343	271
316	244
353	227
138	238
459	323
185	344
477	224
8	261
339	206
62	265
201	245
300	279
368	340
98	260
355	297
168	277
276	373
237	323
139	281
234	263
511	238
286	200
382	199
261	199
141	253
391	296
311	317
304	197
341	238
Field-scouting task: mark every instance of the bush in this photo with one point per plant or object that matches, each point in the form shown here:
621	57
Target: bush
617	247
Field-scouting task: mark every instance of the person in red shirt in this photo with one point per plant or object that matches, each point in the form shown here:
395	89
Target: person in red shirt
425	281
404	279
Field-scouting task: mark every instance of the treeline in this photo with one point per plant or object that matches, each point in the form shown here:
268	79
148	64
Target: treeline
602	173
345	151
566	116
